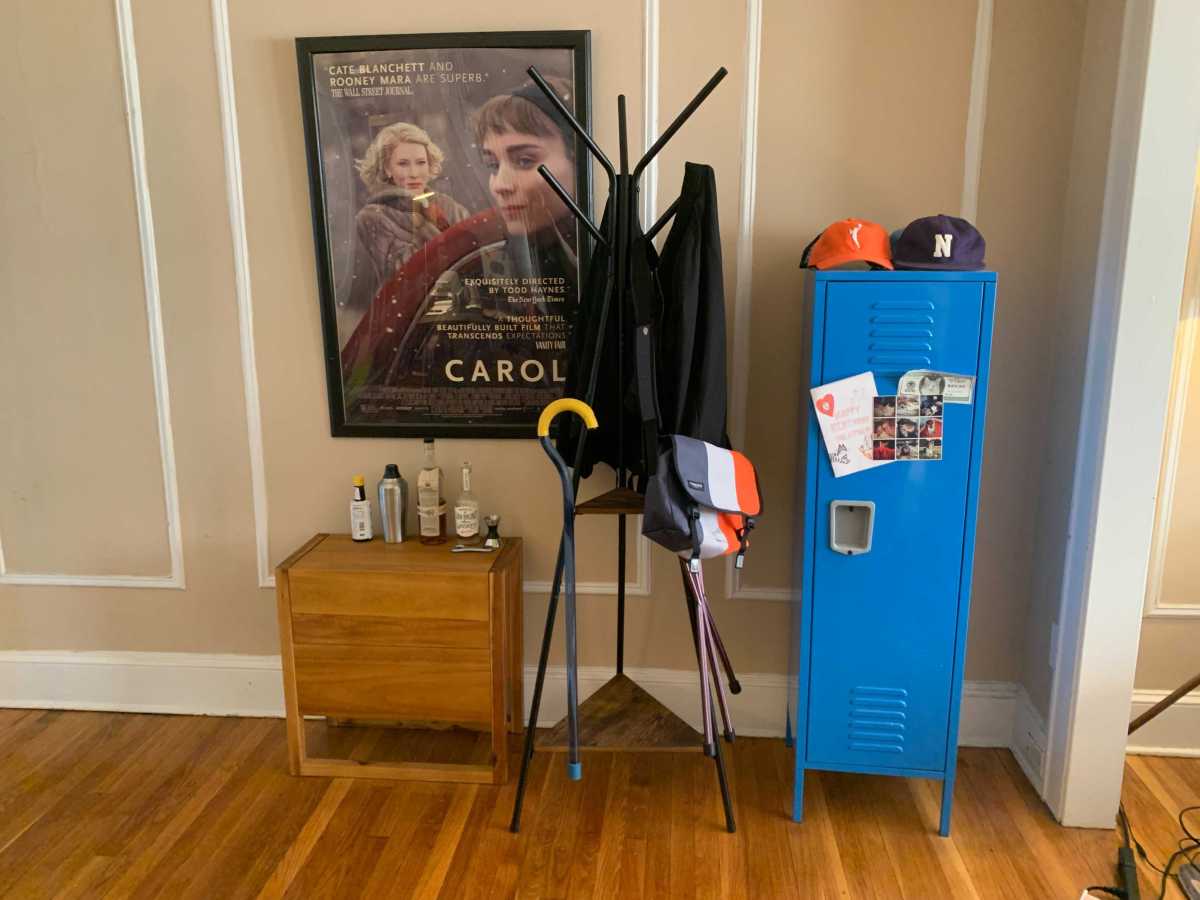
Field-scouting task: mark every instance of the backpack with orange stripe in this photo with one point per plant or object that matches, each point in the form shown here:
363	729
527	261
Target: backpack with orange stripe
702	501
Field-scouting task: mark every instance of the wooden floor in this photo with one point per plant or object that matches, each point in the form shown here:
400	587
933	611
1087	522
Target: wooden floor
110	805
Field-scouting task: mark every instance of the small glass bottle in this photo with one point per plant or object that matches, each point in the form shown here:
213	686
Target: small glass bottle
466	510
431	505
360	512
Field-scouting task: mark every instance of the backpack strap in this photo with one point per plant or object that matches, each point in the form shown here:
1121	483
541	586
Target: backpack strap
743	536
697	537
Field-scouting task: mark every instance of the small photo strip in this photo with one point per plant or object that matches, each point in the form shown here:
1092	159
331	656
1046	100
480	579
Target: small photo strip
907	450
931	449
908	405
932	385
931	405
883	428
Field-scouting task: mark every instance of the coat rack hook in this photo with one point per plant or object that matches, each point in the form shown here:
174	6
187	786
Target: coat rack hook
572	121
663	220
680	119
571	204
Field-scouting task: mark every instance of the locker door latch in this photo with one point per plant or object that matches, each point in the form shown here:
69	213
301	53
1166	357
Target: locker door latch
851	525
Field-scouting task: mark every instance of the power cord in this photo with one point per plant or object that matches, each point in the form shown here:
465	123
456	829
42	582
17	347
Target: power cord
1188	849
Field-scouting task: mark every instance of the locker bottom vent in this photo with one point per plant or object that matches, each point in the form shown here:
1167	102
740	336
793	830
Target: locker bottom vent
878	717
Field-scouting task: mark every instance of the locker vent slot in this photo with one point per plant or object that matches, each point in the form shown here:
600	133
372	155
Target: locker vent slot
878	718
900	336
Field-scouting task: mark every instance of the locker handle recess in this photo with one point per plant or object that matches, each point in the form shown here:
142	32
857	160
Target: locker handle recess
851	525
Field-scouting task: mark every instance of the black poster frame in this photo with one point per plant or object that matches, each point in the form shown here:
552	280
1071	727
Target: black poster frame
579	44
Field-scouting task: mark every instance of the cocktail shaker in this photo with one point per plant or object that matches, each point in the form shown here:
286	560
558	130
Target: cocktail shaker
393	503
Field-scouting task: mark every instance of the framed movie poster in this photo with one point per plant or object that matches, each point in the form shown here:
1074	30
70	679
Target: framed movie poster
449	271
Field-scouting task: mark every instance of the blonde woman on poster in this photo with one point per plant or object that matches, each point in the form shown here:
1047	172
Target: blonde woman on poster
401	213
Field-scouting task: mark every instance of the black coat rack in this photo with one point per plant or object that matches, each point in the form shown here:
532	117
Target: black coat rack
618	238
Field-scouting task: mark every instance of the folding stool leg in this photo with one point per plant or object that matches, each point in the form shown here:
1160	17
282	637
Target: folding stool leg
719	760
734	686
713	638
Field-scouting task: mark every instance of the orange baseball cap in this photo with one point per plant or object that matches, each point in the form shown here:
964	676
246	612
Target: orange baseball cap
850	240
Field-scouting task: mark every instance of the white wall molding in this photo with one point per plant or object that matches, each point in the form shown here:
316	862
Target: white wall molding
1185	351
222	47
981	59
650	87
231	684
1175	732
639	588
744	283
154	328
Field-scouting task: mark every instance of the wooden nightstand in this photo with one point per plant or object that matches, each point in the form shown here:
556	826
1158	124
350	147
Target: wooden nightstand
406	633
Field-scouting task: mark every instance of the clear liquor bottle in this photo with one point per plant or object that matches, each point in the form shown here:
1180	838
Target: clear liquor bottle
466	510
431	505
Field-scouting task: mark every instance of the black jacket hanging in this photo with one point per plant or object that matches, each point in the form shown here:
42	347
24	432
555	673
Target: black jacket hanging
679	298
692	382
620	438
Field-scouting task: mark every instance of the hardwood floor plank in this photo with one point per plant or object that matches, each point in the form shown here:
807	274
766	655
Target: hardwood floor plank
446	842
657	876
819	869
414	812
345	854
611	853
298	853
927	797
584	872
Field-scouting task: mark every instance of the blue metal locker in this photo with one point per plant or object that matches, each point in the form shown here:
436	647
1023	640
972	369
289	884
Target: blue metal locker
880	637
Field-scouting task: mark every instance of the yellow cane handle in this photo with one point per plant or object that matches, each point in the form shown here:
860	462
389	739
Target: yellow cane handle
566	404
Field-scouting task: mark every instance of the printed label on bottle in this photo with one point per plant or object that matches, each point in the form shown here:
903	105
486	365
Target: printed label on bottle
466	521
428	487
360	521
428	518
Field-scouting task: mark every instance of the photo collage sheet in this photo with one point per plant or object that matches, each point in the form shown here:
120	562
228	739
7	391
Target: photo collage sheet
907	426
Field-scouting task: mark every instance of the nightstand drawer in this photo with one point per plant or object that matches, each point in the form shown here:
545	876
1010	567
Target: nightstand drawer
429	595
419	684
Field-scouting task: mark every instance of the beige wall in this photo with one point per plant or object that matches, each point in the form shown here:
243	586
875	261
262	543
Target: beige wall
1167	653
862	111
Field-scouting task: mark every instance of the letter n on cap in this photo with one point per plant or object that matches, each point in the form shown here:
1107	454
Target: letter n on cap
941	246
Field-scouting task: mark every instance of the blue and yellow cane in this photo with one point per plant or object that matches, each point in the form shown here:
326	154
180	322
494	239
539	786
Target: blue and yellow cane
581	409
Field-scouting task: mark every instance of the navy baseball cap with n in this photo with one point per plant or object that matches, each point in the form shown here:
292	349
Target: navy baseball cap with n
939	242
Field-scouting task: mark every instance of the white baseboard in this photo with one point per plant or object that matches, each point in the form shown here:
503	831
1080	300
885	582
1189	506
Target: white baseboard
241	685
1175	732
1028	741
222	684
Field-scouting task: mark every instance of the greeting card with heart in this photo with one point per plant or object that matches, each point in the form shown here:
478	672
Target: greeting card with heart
844	412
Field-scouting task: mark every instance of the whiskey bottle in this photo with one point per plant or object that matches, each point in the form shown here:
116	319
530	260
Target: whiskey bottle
466	510
431	505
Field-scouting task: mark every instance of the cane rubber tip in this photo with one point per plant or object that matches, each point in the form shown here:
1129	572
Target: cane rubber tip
735	687
574	771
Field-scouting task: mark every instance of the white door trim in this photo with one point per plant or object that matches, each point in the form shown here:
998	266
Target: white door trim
1139	280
